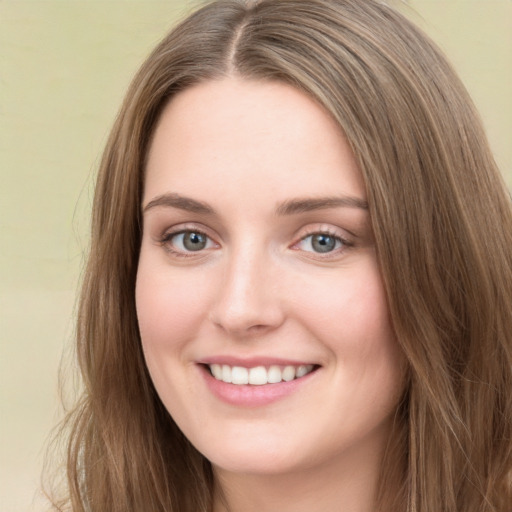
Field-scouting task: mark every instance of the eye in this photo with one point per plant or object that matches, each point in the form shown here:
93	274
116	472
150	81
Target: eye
320	243
188	241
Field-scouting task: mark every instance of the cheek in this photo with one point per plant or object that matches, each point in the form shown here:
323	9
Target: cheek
349	309
170	306
169	312
350	317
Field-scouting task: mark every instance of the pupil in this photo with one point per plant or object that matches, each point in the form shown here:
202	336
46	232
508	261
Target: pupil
194	241
323	243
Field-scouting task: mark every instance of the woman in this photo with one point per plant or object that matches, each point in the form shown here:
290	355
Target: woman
298	290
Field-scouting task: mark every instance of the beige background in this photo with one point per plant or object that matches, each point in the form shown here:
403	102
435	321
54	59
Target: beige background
64	66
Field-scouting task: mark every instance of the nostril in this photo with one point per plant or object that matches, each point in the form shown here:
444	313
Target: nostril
259	327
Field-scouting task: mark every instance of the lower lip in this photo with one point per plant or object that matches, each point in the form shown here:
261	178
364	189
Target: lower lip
246	395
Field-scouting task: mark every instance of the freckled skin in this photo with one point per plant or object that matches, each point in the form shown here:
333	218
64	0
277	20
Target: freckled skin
260	287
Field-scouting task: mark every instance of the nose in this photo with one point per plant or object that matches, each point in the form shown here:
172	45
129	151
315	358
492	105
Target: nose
249	298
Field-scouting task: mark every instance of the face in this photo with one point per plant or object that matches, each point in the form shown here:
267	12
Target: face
261	308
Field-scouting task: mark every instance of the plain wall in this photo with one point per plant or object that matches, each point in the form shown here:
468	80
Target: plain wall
64	67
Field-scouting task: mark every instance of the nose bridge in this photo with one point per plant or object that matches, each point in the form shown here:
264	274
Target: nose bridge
247	300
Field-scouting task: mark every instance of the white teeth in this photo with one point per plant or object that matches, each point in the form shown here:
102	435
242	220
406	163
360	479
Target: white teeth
259	375
216	371
239	375
226	373
288	373
274	375
301	371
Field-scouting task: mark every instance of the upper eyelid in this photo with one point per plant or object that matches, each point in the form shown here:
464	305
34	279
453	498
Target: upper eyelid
167	234
187	227
344	240
327	233
318	228
336	232
164	239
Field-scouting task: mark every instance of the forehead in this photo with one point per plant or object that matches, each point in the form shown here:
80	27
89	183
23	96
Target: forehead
238	135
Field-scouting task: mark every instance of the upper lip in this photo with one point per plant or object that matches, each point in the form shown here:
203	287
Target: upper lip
252	362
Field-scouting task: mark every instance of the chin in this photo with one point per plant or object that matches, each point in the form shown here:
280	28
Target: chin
255	458
268	464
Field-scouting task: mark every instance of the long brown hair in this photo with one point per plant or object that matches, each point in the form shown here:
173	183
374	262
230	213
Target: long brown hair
443	228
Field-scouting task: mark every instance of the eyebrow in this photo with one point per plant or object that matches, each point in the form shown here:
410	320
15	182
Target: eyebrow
180	202
295	206
290	207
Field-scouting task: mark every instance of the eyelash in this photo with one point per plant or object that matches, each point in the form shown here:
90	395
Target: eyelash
345	243
168	236
166	239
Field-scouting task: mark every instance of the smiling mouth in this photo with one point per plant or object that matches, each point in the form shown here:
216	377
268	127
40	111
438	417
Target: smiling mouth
259	375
